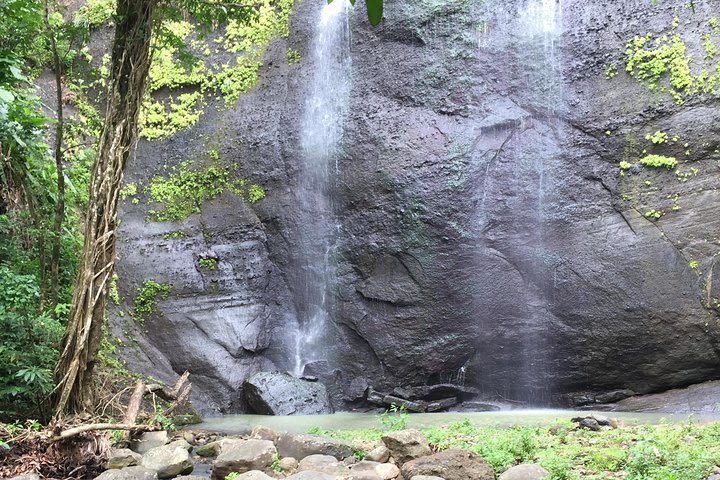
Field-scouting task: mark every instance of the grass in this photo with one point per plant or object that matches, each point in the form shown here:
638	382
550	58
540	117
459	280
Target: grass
685	451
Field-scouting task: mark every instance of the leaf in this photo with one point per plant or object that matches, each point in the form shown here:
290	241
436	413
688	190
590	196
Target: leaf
17	73
6	96
374	11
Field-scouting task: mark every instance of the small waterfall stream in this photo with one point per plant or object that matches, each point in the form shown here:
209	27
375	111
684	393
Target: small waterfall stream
320	134
539	29
518	196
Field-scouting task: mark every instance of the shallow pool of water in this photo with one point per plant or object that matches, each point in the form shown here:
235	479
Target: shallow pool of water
351	421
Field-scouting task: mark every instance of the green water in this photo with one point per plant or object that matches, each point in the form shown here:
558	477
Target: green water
351	421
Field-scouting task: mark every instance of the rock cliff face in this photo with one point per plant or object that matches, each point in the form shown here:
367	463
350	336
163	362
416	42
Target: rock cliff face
486	234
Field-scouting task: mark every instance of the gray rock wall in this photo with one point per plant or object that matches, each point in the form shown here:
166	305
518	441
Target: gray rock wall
484	223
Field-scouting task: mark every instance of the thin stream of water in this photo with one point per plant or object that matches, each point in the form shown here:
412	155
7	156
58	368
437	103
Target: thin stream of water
320	136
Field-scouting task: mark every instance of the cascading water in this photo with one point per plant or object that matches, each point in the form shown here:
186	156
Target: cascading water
321	132
518	192
539	31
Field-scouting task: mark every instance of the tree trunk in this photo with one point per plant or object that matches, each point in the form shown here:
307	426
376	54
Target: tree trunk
129	71
59	166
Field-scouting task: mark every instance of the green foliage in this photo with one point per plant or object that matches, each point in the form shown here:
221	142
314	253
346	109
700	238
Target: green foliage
28	346
242	39
293	56
208	263
255	193
693	264
113	293
394	418
164	422
94	13
659	161
686	451
146	299
184	190
275	465
174	235
624	166
129	190
611	71
654	214
159	119
664	65
658	138
232	476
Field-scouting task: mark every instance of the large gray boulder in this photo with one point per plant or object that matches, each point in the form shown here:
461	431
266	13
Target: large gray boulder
323	463
254	475
149	440
525	471
405	445
312	475
243	457
273	393
451	464
300	445
213	449
168	461
123	457
128	473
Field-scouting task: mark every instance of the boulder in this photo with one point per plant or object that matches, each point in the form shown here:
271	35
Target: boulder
364	470
276	393
451	464
128	473
253	475
405	445
525	471
300	445
148	441
323	463
379	454
288	464
426	477
589	423
311	475
387	471
168	461
613	396
264	433
436	392
26	476
213	449
182	443
123	457
243	457
190	477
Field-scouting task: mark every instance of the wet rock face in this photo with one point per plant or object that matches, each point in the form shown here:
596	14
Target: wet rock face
281	394
483	220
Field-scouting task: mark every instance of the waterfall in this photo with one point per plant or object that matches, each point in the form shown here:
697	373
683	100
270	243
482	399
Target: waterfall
539	29
326	105
517	202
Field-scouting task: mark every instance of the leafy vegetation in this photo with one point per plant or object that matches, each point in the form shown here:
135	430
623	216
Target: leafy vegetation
181	61
685	451
38	250
659	161
208	263
146	299
394	418
184	190
664	64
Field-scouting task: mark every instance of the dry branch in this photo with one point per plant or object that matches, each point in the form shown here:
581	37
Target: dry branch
71	432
